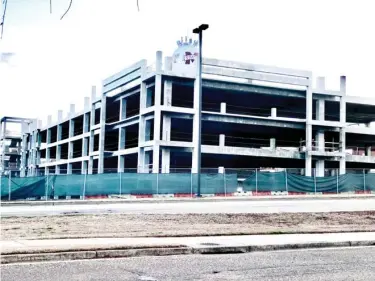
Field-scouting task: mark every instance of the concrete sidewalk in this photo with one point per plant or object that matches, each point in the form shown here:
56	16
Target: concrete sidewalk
70	249
186	199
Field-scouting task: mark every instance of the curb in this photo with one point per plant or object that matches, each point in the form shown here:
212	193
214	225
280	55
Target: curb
215	249
185	199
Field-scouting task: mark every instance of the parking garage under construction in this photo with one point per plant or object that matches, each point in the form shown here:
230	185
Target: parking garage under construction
144	119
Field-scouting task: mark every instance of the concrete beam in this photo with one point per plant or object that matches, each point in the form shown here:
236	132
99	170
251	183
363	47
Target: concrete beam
256	89
257	67
210	149
254	120
259	76
125	72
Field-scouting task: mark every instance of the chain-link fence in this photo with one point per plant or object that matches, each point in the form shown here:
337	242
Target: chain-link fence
182	183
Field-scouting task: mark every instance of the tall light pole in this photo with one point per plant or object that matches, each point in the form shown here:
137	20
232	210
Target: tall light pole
199	30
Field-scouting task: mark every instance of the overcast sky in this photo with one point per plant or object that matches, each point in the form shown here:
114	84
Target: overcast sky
57	61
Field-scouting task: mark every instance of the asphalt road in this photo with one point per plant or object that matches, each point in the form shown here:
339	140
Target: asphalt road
230	207
308	265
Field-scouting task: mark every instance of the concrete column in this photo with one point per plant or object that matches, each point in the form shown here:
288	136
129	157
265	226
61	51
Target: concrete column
157	115
71	128
166	160
48	138
273	144
49	120
70	150
273	112
168	63
4	129
149	97
343	124
69	168
57	170
319	168
86	104
90	167
223	107
159	62
222	140
48	155
122	138
321	83
86	122
121	145
147	162
167	121
46	171
220	170
167	93
122	109
85	146
102	134
320	110
142	127
71	144
92	123
93	94
320	139
141	160
59	116
121	164
72	110
84	167
368	151
59	132
308	157
58	152
141	140
147	130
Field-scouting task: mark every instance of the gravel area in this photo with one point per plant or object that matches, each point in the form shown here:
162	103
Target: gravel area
122	225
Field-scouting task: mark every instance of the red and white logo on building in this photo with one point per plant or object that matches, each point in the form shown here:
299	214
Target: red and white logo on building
189	57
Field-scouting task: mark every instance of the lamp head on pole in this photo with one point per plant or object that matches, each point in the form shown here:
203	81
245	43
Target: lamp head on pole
200	28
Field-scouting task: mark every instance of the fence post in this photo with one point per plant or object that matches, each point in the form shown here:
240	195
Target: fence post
225	184
9	186
46	187
364	180
120	182
337	180
84	186
191	183
286	180
256	181
157	182
315	180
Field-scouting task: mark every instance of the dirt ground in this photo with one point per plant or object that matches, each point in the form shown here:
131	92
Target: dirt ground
122	225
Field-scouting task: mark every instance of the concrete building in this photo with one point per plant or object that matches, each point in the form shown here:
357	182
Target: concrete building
145	118
11	131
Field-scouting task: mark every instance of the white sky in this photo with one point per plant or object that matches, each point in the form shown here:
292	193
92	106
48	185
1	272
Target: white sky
58	61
